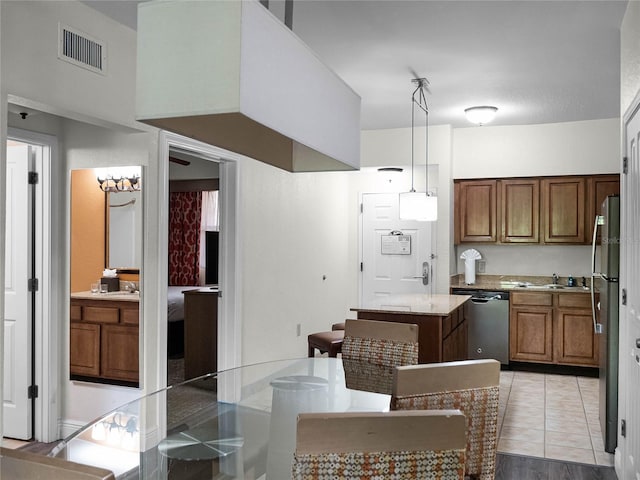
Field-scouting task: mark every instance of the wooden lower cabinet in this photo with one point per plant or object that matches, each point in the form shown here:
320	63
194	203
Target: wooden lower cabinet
531	334
85	349
575	342
104	341
552	328
119	352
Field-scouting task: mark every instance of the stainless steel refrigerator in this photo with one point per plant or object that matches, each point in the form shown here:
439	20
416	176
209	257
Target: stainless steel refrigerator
605	314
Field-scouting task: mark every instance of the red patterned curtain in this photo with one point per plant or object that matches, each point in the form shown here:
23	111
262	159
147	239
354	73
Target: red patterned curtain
185	210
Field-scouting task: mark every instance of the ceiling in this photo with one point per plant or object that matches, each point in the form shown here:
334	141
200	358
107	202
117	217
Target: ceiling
537	61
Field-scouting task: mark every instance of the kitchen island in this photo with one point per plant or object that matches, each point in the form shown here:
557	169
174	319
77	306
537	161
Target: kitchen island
442	327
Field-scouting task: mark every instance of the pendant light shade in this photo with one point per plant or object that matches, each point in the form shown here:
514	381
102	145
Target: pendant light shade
420	206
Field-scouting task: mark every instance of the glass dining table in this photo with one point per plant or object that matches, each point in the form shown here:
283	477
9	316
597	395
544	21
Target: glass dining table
234	424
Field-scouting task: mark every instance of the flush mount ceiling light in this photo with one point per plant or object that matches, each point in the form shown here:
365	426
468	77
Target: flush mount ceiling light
421	206
481	115
232	75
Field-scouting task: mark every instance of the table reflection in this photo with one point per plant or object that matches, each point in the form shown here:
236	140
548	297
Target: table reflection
238	423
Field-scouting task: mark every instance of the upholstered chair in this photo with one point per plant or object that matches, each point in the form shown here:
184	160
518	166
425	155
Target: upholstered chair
375	445
471	386
381	343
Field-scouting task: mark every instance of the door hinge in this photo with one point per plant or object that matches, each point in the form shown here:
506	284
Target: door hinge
361	208
32	391
624	296
625	165
32	285
33	178
623	427
361	266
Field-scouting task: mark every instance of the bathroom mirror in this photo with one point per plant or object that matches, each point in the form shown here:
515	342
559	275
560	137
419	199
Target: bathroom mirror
105	231
123	230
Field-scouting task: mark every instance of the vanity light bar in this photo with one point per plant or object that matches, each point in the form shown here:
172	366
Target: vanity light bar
119	180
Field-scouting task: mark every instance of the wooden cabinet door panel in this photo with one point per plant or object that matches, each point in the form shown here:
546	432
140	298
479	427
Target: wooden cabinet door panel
478	211
84	352
101	314
119	352
600	187
519	210
130	316
576	343
563	209
531	335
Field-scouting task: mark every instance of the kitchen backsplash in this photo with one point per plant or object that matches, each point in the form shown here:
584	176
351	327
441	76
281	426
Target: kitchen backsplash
545	260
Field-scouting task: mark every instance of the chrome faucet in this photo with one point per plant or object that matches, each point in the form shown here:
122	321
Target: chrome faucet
555	278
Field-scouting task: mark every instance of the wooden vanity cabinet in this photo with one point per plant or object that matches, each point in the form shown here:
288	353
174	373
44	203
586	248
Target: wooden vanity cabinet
554	328
104	340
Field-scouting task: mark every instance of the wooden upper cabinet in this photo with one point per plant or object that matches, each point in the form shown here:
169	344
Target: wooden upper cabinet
600	187
563	209
477	210
519	210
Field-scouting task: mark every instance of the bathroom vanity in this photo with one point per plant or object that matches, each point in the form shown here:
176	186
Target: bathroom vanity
104	334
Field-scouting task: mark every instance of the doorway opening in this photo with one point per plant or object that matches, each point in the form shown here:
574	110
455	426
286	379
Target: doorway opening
191	165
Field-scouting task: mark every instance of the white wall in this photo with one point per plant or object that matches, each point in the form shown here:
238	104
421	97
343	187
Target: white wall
70	92
571	148
630	55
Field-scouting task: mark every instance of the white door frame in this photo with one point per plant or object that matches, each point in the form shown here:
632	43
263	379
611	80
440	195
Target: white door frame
626	396
229	305
47	324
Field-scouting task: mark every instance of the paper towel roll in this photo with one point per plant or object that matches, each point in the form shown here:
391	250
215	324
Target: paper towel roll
470	271
470	256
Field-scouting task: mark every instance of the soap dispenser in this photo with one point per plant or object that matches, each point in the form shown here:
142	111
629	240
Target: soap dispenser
571	282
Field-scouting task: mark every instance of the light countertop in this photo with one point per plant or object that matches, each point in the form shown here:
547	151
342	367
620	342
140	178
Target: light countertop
518	282
418	304
119	296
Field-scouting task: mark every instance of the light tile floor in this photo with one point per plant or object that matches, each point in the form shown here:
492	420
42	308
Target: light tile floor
551	416
12	444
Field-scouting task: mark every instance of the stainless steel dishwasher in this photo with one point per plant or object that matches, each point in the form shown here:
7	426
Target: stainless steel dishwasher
487	313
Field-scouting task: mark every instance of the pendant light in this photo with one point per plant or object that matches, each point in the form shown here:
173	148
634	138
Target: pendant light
421	206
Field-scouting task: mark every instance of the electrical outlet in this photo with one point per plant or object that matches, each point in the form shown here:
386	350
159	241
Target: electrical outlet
298	330
481	266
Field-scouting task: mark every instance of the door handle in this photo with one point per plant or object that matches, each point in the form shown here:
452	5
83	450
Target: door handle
425	273
637	342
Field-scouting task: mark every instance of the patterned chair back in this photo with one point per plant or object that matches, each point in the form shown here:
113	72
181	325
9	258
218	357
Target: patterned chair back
382	343
390	445
471	386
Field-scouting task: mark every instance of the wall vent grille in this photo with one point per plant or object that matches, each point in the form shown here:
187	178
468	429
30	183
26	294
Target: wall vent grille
82	50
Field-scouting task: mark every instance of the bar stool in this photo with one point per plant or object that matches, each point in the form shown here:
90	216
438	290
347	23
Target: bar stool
338	326
326	342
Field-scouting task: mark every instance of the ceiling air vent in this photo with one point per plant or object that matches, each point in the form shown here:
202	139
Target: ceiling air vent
82	50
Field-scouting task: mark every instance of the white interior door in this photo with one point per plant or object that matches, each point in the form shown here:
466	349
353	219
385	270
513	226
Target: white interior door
17	319
397	255
629	381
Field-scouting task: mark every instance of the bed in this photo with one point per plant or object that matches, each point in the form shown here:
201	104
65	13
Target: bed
175	317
